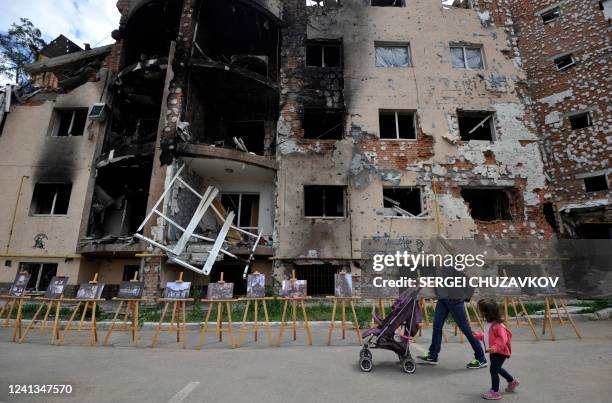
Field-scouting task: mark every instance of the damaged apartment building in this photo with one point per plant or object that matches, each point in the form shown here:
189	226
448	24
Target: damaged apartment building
274	136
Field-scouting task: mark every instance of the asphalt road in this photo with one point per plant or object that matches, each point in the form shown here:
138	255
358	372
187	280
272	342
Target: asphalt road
566	370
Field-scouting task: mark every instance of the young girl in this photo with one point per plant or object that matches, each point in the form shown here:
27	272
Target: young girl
497	340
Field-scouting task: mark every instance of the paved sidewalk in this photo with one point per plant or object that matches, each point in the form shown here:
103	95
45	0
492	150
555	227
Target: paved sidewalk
566	370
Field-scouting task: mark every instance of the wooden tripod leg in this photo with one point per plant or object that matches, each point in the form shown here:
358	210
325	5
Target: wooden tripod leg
331	323
343	325
256	322
559	316
477	315
61	340
243	327
356	321
282	325
381	306
83	316
516	312
171	327
268	327
159	325
25	333
43	325
528	319
570	318
112	326
229	324
94	325
184	324
11	304
548	316
55	332
17	330
135	323
306	325
294	318
204	328
219	321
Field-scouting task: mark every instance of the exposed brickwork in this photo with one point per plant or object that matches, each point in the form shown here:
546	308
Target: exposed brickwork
582	30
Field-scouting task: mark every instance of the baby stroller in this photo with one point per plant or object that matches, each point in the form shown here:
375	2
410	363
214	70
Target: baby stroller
405	311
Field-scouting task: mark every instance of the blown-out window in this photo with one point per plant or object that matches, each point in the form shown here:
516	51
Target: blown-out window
324	201
51	198
68	122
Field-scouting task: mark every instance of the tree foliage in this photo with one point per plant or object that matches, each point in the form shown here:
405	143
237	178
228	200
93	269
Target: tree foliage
19	46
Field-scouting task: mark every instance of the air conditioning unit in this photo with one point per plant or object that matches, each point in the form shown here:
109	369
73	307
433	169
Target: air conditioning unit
97	112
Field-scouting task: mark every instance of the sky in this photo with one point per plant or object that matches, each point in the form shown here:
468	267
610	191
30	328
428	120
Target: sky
82	21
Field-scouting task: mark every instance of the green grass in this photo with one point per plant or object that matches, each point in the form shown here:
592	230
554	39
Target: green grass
316	311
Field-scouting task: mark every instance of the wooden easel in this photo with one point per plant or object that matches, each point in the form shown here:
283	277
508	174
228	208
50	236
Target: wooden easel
516	301
130	316
178	313
256	324
294	326
88	304
378	304
344	324
556	301
50	303
478	321
222	305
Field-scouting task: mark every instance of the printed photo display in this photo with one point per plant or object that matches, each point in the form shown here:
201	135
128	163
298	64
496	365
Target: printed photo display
19	285
56	287
130	290
220	291
343	283
90	291
177	290
256	286
294	288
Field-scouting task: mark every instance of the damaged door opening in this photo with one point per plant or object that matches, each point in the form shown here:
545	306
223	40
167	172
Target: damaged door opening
488	204
476	125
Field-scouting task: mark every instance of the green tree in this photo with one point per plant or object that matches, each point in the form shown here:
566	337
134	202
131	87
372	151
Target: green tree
19	46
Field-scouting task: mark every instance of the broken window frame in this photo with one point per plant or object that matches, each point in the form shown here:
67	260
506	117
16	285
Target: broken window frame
400	212
319	3
323	45
306	123
57	119
397	113
239	211
464	50
603	189
51	213
570	118
464	4
206	202
490	116
556	13
323	200
567	66
510	194
393	45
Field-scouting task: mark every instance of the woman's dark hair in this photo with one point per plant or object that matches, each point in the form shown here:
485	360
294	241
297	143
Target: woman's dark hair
490	310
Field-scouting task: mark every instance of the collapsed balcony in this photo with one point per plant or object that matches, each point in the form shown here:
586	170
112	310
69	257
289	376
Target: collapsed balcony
233	96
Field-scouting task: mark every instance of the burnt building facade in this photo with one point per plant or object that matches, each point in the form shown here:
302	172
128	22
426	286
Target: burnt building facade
305	126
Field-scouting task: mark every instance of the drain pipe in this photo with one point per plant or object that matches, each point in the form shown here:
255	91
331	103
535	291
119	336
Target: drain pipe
8	242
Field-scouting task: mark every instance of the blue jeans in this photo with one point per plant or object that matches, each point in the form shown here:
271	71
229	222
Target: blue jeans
456	309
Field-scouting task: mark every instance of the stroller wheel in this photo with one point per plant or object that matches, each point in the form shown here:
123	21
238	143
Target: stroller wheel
365	352
365	364
408	365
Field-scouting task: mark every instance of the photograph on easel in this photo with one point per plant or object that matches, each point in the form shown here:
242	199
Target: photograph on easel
19	285
130	290
343	285
220	291
177	290
90	291
56	287
256	286
294	288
